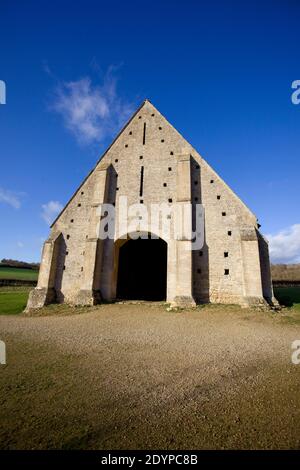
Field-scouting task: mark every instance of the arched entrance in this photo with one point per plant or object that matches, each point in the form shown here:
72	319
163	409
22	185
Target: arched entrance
142	270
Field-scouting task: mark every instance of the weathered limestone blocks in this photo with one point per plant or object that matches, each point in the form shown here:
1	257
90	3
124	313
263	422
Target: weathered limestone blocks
184	268
90	292
40	296
151	163
45	292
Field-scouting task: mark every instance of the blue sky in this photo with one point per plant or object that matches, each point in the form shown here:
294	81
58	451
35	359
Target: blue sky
221	72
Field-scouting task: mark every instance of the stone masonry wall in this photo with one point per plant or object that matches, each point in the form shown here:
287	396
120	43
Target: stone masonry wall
149	141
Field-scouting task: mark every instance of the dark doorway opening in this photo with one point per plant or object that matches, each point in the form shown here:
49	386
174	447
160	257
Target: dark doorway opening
142	273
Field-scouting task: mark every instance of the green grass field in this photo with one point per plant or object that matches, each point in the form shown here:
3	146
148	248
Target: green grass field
19	274
288	296
13	301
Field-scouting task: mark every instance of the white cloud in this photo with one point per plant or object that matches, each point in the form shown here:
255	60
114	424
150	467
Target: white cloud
285	245
91	112
10	197
20	245
51	210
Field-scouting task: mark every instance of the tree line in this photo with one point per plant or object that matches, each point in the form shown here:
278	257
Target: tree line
285	272
13	263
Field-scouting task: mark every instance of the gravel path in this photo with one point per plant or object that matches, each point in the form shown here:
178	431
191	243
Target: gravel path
137	376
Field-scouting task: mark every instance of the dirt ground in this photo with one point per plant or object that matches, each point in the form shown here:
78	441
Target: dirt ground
135	376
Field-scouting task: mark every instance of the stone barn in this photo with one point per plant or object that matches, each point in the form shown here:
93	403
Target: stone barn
150	163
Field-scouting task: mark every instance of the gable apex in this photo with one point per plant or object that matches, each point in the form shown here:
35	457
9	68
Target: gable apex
176	139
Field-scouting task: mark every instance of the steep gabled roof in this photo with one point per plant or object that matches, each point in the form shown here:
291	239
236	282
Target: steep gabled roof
116	138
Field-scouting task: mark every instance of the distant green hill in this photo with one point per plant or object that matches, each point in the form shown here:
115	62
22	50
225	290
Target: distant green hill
18	273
